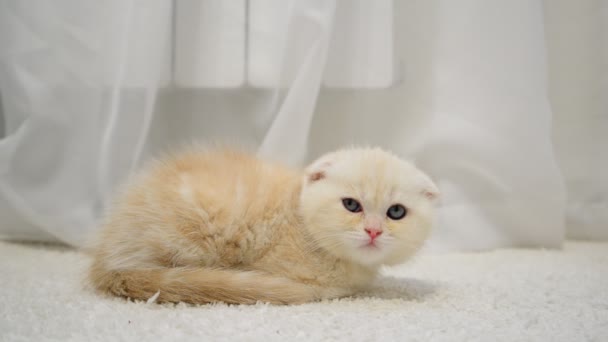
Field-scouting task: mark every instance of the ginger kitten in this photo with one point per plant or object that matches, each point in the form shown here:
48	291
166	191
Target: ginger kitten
220	225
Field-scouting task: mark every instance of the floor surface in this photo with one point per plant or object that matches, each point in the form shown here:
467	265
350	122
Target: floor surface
505	295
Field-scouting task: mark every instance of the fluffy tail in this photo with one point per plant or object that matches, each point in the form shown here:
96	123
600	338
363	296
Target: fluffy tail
201	285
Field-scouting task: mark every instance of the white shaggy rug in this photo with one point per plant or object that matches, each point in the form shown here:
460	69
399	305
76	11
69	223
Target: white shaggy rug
506	295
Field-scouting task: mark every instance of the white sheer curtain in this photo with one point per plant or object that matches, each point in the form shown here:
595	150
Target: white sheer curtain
502	102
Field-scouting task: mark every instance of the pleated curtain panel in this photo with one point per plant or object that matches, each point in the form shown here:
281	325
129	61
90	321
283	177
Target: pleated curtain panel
503	102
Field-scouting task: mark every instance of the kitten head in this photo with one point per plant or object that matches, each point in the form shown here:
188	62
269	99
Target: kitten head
367	206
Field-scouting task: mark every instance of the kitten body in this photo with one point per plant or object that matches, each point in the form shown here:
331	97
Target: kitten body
220	225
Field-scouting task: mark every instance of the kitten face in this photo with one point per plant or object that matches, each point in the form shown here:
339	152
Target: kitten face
367	206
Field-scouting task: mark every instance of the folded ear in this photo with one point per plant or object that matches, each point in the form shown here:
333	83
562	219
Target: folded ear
318	169
317	173
429	189
316	176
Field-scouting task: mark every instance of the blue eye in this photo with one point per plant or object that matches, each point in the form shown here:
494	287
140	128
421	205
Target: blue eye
396	212
351	205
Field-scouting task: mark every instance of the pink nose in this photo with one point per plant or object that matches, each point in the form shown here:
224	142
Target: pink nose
373	232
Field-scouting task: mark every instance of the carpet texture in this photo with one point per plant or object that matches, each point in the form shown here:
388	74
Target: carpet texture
505	295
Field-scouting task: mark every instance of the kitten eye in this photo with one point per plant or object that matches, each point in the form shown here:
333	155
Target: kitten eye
351	205
396	212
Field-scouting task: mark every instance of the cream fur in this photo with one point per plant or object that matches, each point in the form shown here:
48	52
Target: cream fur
220	225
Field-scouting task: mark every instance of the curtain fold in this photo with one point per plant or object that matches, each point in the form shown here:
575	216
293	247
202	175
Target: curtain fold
577	42
490	135
503	103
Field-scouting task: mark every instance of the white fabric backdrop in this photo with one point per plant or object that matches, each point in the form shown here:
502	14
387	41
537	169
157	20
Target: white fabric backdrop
502	102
